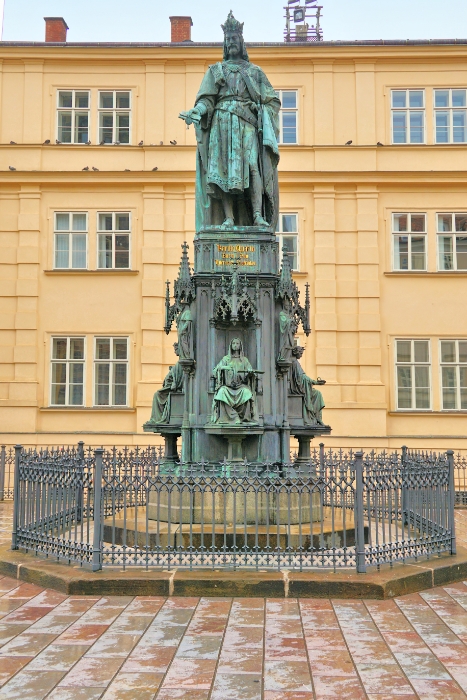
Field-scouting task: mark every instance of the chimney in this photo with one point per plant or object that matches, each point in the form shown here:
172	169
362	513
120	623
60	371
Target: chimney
55	30
181	29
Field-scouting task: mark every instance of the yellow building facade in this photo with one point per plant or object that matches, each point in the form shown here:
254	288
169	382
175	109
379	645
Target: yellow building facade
89	232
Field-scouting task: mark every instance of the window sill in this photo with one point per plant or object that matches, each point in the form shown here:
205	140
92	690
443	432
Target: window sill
299	273
425	273
59	409
428	412
91	272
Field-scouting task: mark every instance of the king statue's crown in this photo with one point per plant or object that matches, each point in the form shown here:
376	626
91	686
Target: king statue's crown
232	25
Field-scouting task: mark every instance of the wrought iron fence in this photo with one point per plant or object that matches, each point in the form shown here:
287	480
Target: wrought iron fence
129	507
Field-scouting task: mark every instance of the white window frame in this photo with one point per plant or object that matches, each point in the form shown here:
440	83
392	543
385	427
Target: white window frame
409	234
453	234
412	364
112	364
70	232
113	111
408	110
114	233
74	110
68	362
288	234
451	110
285	110
457	365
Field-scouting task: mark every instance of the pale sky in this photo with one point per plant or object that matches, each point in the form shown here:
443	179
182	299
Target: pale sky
148	20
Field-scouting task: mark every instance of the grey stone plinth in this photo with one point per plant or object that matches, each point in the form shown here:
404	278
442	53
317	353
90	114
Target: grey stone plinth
224	505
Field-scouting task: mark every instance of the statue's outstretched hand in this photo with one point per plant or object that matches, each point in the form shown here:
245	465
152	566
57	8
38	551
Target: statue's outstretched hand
191	116
320	381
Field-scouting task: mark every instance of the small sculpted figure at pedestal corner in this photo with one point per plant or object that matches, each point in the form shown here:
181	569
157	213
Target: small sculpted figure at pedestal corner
300	383
236	119
288	328
184	330
234	399
161	401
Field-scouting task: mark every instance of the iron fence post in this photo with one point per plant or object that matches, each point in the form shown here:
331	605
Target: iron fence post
80	491
97	511
2	473
404	500
452	498
359	514
14	545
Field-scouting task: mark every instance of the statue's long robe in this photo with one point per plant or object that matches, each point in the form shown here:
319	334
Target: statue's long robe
302	384
161	401
228	144
287	335
232	404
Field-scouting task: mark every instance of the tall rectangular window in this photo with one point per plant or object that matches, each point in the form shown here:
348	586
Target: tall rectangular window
413	371
70	240
454	374
288	116
111	372
67	372
452	241
409	241
73	116
408	116
113	240
287	235
450	116
114	116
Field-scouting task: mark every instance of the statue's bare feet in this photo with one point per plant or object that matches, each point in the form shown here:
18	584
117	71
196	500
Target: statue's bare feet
258	220
228	223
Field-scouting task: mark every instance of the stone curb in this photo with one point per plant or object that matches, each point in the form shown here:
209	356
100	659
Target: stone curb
387	583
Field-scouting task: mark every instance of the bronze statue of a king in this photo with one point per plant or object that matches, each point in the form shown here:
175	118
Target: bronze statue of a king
237	124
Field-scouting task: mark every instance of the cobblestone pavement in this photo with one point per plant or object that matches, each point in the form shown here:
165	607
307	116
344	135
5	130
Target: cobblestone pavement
124	648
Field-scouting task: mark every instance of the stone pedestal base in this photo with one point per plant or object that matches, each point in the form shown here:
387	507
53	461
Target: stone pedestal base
234	436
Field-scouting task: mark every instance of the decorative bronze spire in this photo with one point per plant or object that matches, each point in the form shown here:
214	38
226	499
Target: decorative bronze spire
183	285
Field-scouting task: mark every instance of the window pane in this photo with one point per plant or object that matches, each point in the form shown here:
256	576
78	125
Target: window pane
82	100
449	380
76	372
103	348
59	373
444	222
462	351
463	387
289	99
446	257
81	127
106	100
105	222
459	126
442	127
59	348
461	252
62	222
441	98
415	98
418	252
289	223
76	348
416	127
401	252
76	394
122	222
404	387
417	222
123	100
105	252
289	127
290	245
58	394
122	255
102	372
404	351
120	349
62	253
78	253
64	127
120	373
79	222
400	222
461	222
106	127
448	351
65	99
399	98
399	127
421	353
458	98
123	127
422	391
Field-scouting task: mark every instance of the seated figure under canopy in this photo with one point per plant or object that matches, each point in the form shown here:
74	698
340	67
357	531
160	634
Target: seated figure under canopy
235	398
300	383
161	401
